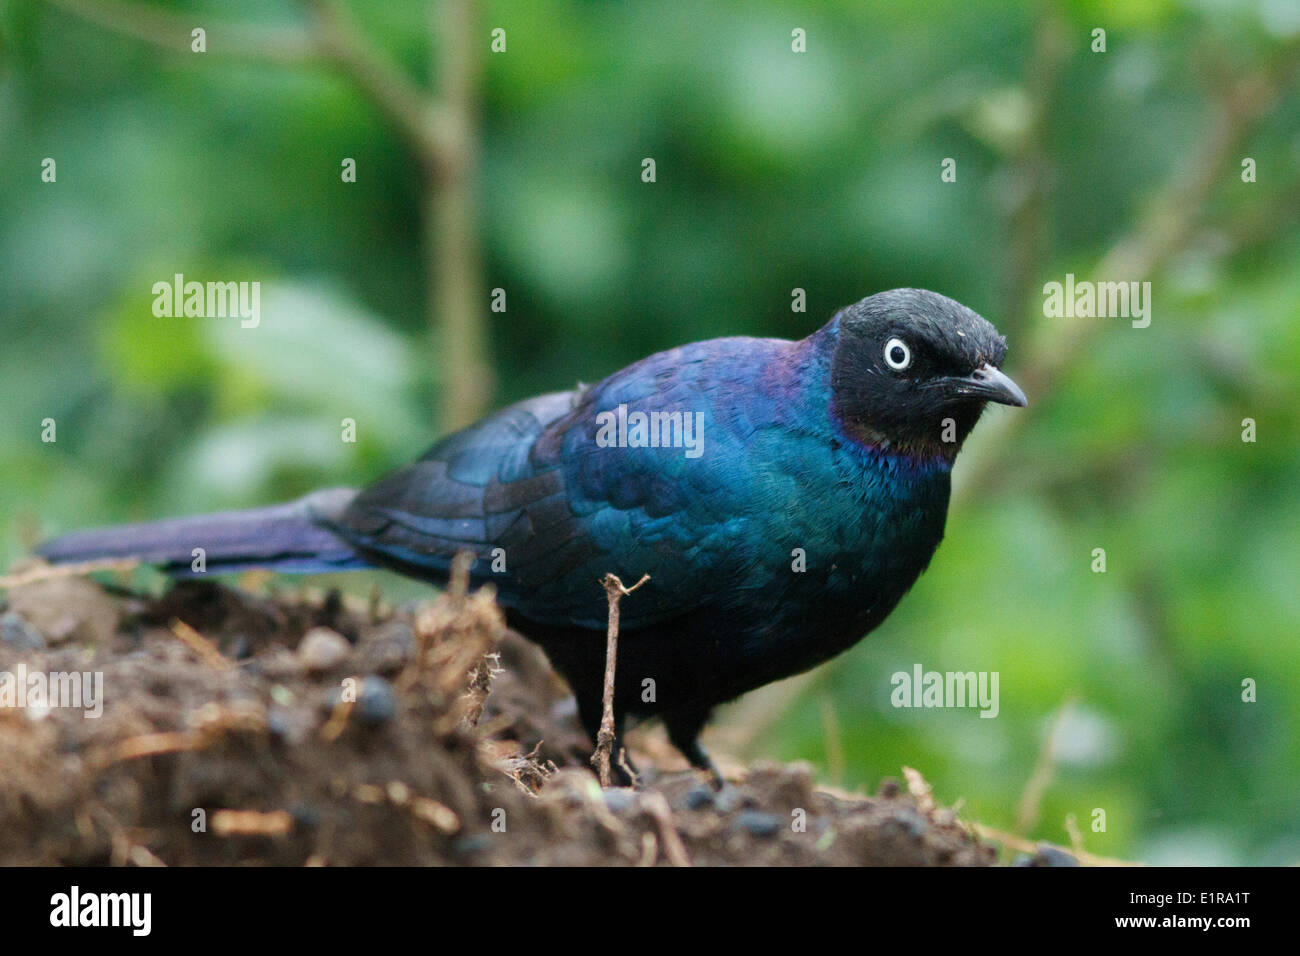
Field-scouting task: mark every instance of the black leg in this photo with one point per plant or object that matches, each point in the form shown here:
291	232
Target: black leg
684	731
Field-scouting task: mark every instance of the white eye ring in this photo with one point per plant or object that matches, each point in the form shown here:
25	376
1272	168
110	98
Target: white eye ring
892	349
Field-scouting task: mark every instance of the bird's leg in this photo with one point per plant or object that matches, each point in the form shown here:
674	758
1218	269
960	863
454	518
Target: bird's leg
684	731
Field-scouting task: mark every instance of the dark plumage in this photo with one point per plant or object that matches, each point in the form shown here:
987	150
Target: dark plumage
837	447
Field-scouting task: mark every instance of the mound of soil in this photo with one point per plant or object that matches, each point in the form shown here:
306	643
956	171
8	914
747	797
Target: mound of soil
307	728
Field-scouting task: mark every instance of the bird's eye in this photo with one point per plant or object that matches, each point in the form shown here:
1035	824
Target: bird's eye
897	355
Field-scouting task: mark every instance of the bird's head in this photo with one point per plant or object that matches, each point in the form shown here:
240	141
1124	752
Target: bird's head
912	371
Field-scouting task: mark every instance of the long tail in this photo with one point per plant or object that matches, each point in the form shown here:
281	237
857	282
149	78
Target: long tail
282	537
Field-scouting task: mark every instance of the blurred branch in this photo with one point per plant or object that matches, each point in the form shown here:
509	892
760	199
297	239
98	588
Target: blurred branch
36	572
404	104
457	302
832	738
169	30
1170	222
1030	170
1013	842
1031	798
440	127
331	40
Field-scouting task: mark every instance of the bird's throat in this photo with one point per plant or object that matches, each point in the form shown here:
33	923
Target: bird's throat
915	454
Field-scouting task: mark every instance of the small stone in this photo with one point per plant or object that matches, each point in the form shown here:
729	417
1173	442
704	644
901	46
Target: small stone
915	825
305	815
1049	855
16	632
279	723
323	650
376	701
388	650
64	629
698	798
471	844
759	824
731	798
620	799
68	609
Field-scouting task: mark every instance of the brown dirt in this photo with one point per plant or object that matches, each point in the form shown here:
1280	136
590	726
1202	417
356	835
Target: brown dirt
226	738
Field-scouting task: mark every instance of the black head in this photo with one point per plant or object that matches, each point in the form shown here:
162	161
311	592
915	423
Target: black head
913	370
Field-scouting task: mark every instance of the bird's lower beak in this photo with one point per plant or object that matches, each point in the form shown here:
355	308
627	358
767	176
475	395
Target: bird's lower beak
992	385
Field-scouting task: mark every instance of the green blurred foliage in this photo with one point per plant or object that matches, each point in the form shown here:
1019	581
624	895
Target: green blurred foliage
775	171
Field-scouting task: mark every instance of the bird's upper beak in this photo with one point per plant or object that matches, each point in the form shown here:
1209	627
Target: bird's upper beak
992	385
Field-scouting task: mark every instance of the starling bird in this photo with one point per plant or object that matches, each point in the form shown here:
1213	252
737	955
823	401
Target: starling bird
782	496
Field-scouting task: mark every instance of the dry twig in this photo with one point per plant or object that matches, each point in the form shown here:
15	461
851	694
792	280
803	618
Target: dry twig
227	823
657	806
614	591
1044	769
199	645
47	572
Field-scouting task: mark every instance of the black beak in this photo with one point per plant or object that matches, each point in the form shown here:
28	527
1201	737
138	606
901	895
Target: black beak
992	385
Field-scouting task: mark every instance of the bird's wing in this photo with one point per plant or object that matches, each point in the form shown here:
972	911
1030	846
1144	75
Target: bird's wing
476	490
564	509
